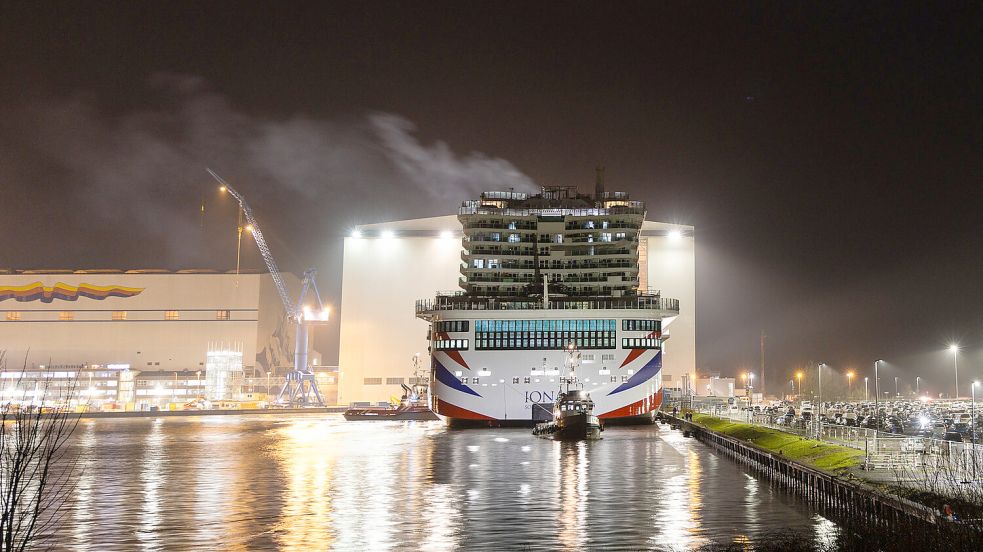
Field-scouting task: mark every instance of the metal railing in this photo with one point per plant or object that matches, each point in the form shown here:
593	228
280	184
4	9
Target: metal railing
459	301
882	450
478	209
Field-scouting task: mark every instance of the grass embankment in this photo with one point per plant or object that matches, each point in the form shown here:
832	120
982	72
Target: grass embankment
816	454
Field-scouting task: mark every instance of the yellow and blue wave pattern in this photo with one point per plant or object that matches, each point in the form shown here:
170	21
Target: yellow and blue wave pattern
37	291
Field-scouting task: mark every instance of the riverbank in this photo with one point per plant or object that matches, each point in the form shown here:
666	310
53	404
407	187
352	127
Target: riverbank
833	459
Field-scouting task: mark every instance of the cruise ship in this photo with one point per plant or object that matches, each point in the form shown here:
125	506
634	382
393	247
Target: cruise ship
543	275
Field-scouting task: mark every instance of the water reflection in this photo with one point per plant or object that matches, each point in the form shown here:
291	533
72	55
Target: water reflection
573	494
317	482
151	479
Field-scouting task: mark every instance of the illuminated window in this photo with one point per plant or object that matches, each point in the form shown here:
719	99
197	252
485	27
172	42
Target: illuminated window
119	315
13	316
171	315
451	344
223	315
66	315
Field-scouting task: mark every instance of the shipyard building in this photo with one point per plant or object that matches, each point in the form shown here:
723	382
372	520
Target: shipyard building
137	339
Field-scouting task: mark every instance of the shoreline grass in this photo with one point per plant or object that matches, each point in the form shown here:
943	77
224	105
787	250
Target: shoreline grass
815	454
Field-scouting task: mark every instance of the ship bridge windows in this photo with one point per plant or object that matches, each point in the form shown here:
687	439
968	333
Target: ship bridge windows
641	325
544	334
452	326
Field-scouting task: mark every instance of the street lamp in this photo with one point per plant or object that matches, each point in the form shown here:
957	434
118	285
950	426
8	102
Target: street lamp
877	412
798	376
972	410
918	380
849	384
896	392
865	389
973	414
954	349
820	415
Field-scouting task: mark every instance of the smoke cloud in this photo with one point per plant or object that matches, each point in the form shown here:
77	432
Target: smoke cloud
141	171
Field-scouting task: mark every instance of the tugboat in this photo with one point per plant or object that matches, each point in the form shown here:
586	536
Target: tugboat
573	412
413	405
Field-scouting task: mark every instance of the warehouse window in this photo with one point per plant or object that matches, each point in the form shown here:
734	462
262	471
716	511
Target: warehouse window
66	315
372	381
119	315
171	315
13	316
394	381
222	315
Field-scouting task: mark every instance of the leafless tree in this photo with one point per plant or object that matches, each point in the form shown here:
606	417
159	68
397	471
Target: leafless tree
37	469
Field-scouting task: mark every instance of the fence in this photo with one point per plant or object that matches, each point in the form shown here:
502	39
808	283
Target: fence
882	450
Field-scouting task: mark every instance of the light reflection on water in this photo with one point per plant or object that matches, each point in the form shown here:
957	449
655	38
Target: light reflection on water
318	482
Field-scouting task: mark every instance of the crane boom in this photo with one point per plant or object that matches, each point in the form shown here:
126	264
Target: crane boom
264	250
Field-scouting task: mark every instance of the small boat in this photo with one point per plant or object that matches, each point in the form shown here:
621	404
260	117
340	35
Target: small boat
573	412
573	418
413	405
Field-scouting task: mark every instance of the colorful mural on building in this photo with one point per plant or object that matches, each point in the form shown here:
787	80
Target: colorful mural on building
37	291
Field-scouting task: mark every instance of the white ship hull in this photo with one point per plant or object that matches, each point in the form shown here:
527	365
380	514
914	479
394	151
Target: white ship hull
494	387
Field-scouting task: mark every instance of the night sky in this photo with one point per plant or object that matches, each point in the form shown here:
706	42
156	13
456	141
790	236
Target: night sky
829	154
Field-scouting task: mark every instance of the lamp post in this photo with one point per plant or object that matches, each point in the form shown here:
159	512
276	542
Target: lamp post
820	368
819	416
849	384
896	392
877	413
972	410
918	380
750	376
798	376
954	349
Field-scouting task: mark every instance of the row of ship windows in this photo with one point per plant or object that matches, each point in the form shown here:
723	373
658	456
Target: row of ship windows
527	379
546	325
554	238
451	344
495	342
452	326
542	325
65	316
504	341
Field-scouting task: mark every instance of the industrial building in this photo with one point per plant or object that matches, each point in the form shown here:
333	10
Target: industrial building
389	266
138	338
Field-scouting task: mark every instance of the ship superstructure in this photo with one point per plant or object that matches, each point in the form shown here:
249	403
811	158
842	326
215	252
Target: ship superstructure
540	273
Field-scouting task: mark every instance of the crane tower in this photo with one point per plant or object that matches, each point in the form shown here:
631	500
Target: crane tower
300	386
